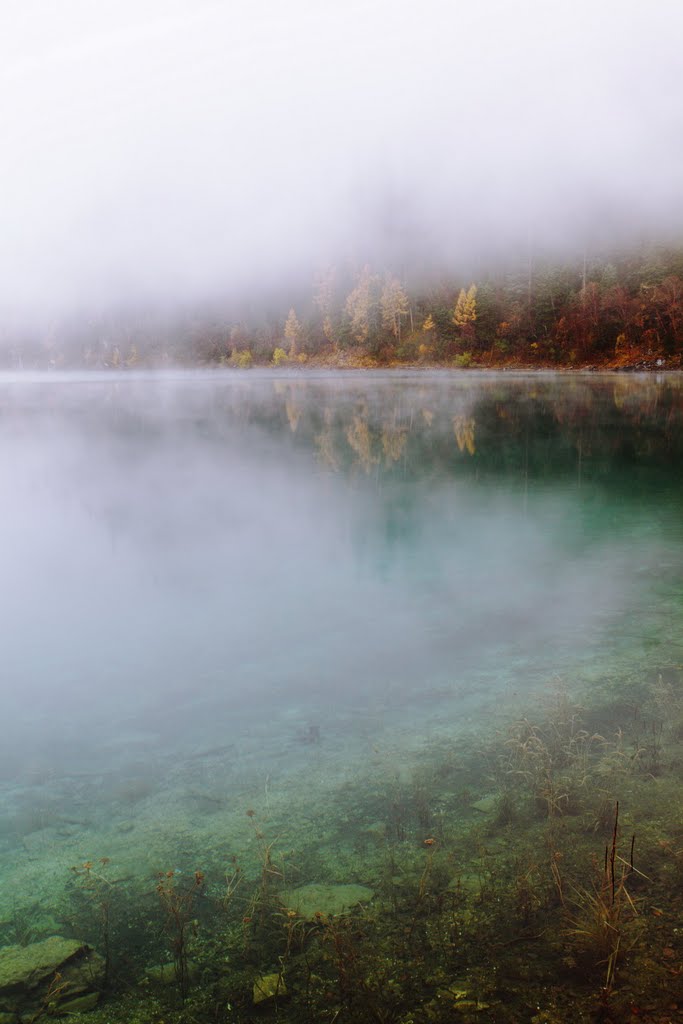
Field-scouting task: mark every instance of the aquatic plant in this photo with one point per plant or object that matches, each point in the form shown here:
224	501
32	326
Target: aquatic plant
50	1001
367	988
423	886
531	760
298	930
19	929
178	902
527	889
234	877
601	915
555	760
650	748
99	890
271	874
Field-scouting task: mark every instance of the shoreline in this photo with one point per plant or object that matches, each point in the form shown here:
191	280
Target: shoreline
649	366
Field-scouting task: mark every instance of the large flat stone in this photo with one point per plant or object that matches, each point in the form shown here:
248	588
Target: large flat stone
308	900
55	970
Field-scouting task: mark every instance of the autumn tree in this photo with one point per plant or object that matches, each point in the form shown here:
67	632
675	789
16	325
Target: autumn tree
620	312
292	334
488	312
553	290
587	318
362	307
425	348
394	305
324	299
465	312
669	300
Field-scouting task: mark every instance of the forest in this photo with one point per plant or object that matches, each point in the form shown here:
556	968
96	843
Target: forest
623	310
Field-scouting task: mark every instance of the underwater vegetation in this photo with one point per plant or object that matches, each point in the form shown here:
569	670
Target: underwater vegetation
533	872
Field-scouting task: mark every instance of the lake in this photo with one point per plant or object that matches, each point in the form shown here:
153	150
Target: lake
287	628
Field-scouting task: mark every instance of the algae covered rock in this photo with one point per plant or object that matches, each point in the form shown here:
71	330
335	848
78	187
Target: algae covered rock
488	804
167	974
313	899
81	1004
268	986
47	975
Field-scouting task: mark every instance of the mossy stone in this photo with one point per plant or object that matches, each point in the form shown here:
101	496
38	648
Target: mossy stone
268	986
487	805
329	900
82	1004
56	970
165	974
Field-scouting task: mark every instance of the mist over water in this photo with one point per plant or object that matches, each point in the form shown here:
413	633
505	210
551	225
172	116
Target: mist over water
193	560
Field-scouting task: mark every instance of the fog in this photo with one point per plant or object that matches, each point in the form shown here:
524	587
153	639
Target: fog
164	152
194	560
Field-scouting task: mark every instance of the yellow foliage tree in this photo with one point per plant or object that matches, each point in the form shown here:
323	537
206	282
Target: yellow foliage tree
292	333
360	305
394	303
465	312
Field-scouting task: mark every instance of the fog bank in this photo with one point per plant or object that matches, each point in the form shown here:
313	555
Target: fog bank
158	152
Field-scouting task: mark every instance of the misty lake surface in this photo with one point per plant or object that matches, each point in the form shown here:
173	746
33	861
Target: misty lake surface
253	589
188	554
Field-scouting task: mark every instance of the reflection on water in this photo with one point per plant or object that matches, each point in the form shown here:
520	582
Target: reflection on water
323	598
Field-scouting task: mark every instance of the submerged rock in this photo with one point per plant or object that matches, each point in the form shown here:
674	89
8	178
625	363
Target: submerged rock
268	986
48	975
309	900
487	805
166	974
81	1004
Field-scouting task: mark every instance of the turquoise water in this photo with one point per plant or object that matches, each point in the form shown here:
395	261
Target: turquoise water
315	597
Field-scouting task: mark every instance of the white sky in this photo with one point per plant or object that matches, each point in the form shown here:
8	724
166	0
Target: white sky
177	148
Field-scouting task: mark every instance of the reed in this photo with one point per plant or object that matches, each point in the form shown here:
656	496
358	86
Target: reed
601	917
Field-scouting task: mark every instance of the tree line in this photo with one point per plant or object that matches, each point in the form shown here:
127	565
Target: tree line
626	310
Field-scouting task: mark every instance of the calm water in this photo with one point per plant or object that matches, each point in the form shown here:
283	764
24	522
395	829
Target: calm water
218	583
319	545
